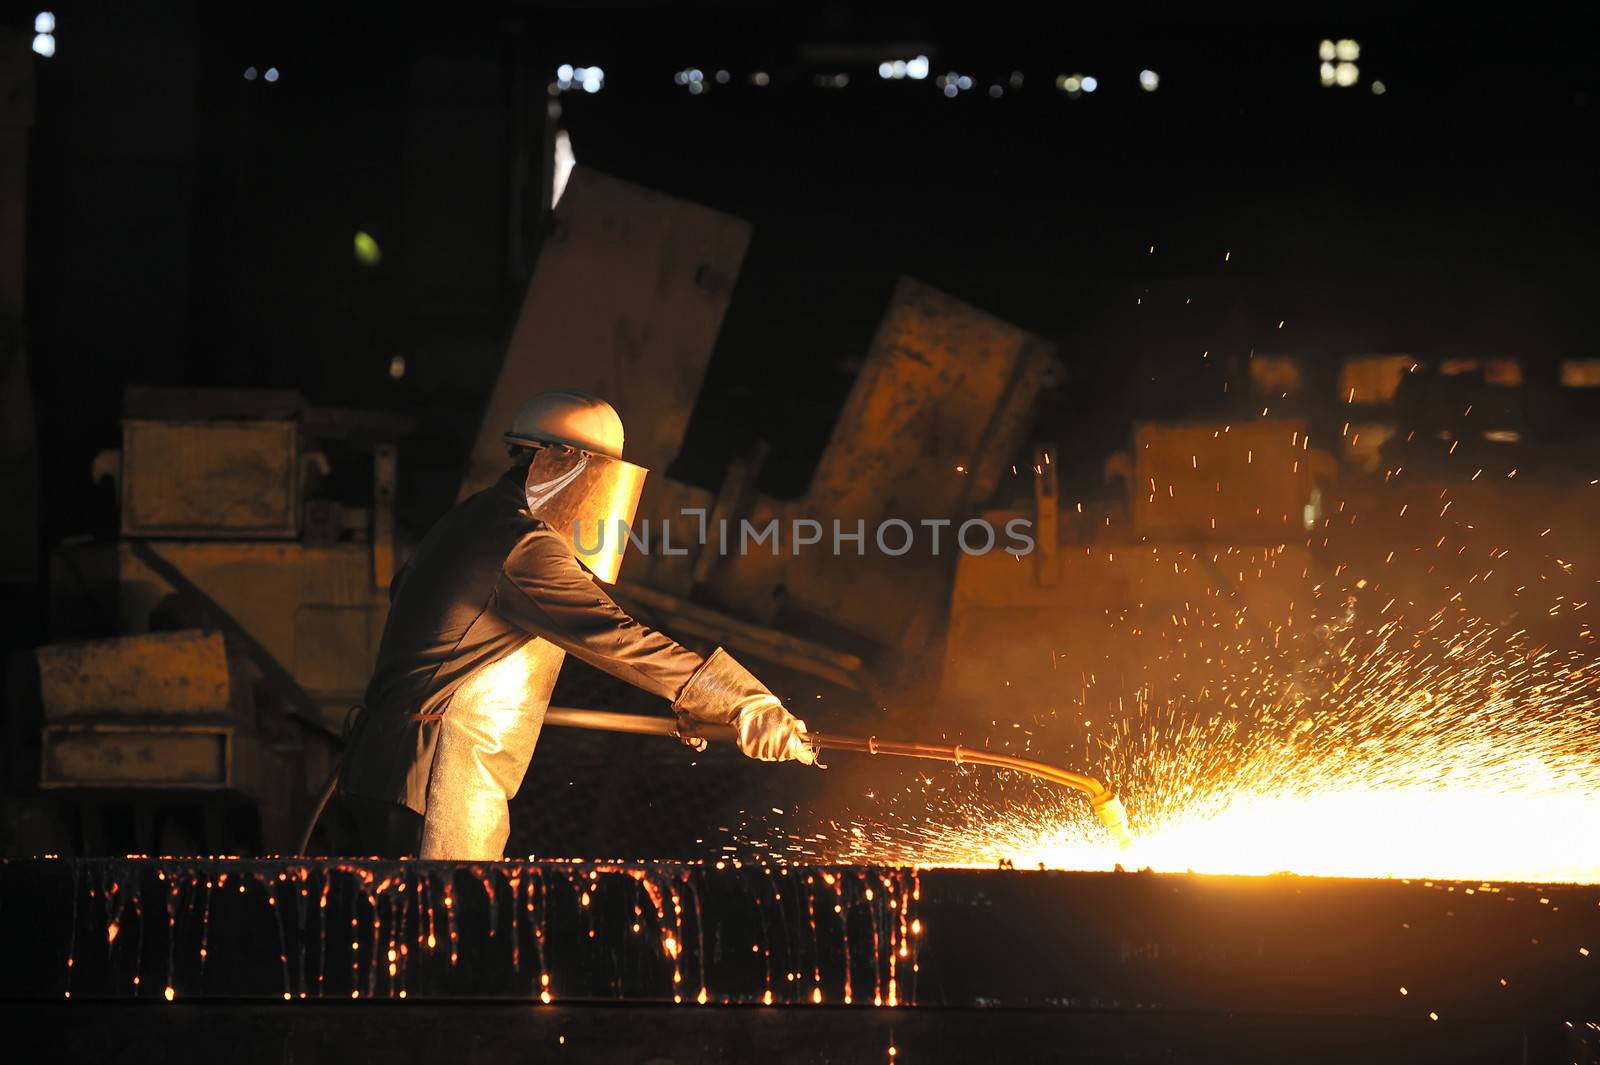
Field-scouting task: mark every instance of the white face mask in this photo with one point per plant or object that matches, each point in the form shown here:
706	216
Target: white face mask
541	494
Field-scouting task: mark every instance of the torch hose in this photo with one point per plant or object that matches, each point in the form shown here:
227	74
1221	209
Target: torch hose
1105	803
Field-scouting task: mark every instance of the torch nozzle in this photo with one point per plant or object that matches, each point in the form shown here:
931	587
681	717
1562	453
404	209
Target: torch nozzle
1108	808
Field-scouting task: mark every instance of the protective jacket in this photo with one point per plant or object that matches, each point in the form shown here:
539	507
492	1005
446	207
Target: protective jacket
481	618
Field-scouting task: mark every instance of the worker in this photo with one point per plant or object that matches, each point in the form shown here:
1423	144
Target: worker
481	618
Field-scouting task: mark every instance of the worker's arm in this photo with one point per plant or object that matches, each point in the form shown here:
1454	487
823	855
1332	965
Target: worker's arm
543	590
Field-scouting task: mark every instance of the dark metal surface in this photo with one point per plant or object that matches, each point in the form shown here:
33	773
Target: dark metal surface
945	937
348	929
982	965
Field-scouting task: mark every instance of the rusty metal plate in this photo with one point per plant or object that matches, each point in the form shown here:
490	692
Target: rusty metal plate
942	404
122	756
210	479
167	673
626	302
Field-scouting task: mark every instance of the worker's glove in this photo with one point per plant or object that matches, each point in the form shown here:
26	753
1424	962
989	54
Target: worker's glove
723	692
770	733
689	738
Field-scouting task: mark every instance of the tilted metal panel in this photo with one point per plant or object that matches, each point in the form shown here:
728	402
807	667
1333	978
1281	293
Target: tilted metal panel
939	410
935	412
626	302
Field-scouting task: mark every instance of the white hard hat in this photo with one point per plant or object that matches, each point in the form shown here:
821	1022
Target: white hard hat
576	419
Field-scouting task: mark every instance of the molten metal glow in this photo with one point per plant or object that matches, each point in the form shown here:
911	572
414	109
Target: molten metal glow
1368	733
1453	752
1460	834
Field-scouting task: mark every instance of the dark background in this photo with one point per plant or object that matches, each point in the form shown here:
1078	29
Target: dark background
187	226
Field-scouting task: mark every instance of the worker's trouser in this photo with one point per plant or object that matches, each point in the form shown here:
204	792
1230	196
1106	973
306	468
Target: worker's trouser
486	739
382	829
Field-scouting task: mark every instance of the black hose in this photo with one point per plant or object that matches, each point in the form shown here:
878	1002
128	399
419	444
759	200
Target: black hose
331	785
316	813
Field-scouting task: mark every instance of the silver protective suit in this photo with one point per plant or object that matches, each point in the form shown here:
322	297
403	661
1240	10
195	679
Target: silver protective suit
488	734
483	615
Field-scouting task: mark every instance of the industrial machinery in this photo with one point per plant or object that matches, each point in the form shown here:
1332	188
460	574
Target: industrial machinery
163	713
250	597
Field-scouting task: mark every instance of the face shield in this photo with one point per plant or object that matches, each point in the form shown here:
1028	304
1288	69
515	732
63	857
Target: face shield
589	500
